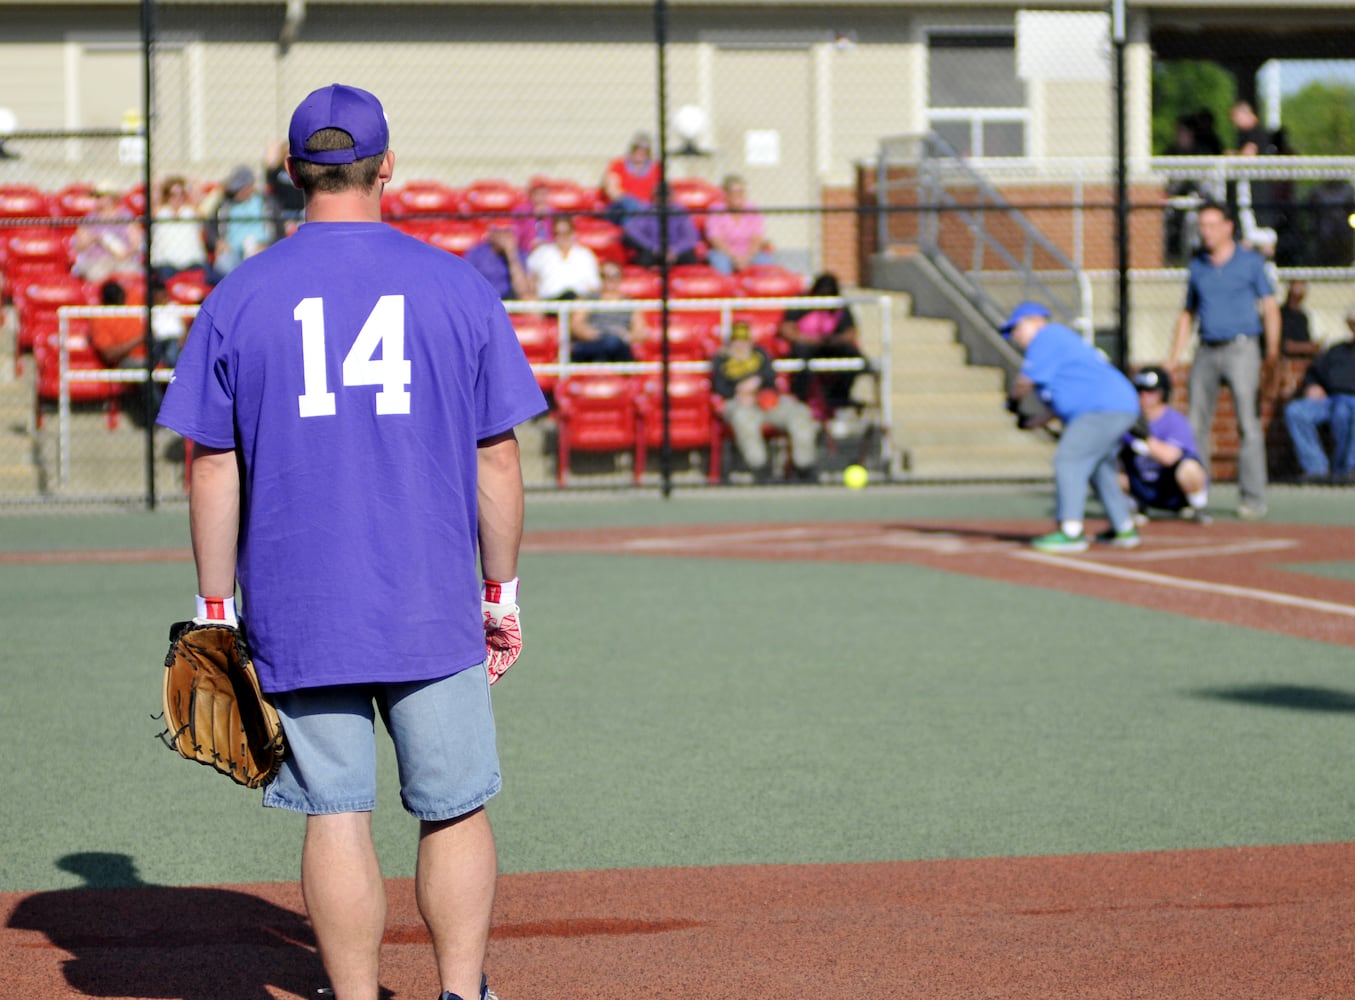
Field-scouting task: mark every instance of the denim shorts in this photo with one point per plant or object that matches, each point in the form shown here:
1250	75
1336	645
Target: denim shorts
443	731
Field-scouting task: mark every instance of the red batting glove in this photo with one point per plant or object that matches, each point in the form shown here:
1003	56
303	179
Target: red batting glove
503	629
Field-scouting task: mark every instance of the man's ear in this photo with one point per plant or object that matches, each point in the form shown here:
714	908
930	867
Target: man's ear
290	164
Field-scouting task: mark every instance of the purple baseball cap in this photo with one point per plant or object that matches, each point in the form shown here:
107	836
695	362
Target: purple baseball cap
1022	311
353	110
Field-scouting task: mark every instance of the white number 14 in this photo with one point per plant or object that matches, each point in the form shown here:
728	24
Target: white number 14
383	331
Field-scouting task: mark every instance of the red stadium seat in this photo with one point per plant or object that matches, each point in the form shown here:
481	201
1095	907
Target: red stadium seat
80	357
37	302
640	283
33	253
568	195
73	202
700	281
491	196
421	198
23	201
540	339
188	287
693	423
596	413
453	235
692	336
770	280
600	236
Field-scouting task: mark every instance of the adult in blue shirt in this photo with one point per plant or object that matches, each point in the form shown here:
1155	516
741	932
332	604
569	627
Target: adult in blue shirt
1231	297
1096	405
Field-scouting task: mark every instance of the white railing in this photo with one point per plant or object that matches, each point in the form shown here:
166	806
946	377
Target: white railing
562	367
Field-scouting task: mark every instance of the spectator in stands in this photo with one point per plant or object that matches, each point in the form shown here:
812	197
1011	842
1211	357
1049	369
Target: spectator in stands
176	239
606	334
1161	466
1096	405
1230	294
118	340
532	222
564	268
502	262
242	224
735	231
108	240
630	181
1296	335
827	333
742	375
641	236
1326	397
284	197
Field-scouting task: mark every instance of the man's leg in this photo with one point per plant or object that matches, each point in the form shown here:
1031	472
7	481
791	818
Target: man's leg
1109	429
454	887
1244	379
794	418
1343	435
346	900
746	423
1303	417
1204	397
1079	450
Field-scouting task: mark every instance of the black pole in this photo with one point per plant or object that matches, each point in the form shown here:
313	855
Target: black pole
1121	188
147	227
661	42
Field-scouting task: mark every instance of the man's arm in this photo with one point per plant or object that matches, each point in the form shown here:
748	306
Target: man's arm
1184	323
500	496
1270	326
214	519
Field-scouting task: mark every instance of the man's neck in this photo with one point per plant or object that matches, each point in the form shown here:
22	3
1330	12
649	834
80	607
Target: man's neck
1224	253
343	206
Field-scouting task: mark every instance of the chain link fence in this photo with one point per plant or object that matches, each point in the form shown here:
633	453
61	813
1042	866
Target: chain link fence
940	163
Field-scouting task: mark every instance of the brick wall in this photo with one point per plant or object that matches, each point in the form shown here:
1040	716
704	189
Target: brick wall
841	235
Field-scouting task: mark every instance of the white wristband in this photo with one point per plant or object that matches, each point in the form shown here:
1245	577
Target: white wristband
496	592
1139	446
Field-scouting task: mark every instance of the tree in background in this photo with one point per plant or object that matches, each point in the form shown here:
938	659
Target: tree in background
1185	87
1320	119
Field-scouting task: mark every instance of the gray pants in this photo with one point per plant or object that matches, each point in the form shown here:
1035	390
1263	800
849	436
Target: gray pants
789	415
1236	364
1086	453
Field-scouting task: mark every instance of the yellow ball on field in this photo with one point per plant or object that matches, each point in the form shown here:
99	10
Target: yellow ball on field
855	476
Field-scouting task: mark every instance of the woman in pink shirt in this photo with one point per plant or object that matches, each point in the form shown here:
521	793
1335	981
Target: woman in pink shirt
734	231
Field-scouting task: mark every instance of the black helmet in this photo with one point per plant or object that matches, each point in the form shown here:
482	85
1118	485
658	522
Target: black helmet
1154	377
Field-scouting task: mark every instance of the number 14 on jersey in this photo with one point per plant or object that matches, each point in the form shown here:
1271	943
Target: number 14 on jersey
383	333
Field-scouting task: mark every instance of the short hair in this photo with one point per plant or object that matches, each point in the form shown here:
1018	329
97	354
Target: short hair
331	178
1219	207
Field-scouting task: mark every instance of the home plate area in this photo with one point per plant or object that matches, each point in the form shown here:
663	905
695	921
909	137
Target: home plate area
1244	574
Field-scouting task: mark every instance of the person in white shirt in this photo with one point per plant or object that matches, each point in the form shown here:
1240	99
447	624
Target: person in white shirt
564	268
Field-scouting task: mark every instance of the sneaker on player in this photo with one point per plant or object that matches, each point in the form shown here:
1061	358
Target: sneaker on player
485	992
1129	538
1196	515
1057	541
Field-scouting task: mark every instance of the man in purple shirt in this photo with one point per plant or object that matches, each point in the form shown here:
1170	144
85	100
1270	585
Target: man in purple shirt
641	236
351	394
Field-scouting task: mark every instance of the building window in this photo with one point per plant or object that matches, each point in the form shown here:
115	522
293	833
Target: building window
975	101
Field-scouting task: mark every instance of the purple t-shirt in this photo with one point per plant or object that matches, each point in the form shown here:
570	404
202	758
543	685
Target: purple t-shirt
354	369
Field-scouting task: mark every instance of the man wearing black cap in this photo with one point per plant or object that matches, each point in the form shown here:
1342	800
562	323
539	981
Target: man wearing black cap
1162	467
351	394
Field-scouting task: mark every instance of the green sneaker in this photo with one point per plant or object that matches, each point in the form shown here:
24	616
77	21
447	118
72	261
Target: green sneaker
1127	539
1057	541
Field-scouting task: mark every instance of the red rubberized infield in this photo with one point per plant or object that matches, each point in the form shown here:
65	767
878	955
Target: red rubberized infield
1264	923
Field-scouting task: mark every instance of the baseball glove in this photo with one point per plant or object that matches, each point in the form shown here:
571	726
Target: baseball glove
215	711
1031	411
